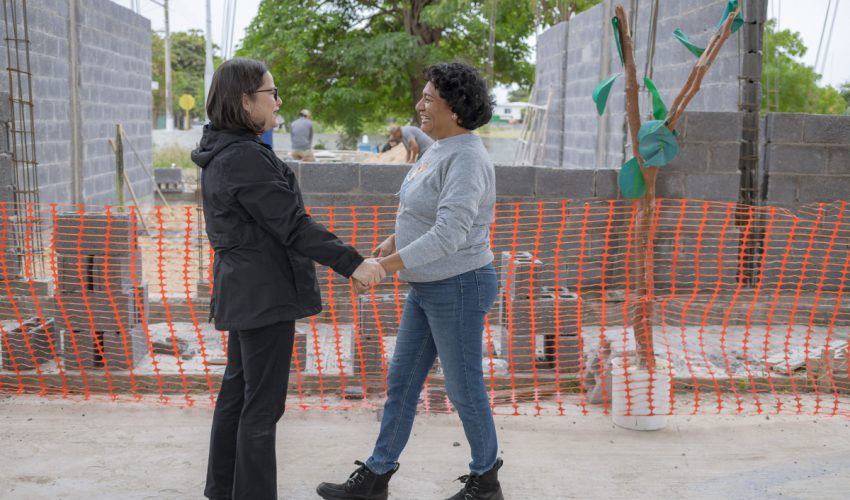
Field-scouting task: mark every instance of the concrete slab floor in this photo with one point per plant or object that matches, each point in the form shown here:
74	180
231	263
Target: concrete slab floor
92	450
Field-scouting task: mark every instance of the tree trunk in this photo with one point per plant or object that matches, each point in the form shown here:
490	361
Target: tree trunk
425	35
643	270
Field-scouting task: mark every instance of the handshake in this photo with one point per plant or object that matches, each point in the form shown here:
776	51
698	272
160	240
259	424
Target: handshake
371	272
367	275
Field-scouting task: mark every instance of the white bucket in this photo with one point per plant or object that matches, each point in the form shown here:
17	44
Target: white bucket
639	401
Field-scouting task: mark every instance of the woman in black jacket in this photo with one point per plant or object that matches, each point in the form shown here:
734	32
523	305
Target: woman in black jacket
264	279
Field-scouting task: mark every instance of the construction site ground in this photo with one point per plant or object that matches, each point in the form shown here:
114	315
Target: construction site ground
69	449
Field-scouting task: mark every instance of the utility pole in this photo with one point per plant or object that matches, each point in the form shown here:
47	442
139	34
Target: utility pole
208	65
492	48
169	119
169	116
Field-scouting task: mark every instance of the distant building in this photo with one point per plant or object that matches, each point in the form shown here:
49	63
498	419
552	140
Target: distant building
511	112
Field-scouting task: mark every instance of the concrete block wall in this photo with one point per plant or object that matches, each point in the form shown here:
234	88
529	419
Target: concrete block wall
706	167
806	159
360	184
673	62
581	53
114	69
7	175
48	33
551	46
591	57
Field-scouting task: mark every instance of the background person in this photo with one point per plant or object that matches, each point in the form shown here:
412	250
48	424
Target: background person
414	139
301	133
264	277
441	245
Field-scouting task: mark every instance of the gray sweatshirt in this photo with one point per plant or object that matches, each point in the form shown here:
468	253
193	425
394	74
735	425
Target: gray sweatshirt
301	133
446	206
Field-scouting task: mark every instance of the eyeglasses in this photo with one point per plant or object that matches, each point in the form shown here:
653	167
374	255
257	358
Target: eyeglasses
273	90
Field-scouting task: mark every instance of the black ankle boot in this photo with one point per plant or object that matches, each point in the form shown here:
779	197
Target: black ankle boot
483	487
362	484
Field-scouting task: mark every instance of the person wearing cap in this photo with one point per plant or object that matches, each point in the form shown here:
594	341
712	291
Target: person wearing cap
301	132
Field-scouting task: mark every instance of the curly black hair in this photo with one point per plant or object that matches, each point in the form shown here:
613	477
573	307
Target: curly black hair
465	91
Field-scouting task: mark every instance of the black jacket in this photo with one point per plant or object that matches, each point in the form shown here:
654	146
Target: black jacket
264	241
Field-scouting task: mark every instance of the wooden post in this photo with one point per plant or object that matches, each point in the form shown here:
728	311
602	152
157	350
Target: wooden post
119	167
643	271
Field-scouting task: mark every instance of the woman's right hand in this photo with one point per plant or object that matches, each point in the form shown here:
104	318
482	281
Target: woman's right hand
369	272
386	248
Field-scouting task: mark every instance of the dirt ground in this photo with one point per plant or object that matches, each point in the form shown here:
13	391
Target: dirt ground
59	449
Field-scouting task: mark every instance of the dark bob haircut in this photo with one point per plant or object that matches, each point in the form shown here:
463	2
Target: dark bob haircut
465	90
232	80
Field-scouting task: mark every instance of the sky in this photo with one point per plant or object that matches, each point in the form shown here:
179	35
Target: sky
804	16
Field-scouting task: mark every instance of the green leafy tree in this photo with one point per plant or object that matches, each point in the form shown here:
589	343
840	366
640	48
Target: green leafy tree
521	94
845	93
788	84
187	70
356	63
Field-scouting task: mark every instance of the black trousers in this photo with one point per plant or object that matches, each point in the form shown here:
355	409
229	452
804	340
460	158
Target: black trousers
242	462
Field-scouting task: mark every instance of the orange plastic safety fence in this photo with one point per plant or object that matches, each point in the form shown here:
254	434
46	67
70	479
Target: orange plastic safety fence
749	310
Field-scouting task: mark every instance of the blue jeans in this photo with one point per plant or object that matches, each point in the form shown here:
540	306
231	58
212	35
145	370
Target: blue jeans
442	318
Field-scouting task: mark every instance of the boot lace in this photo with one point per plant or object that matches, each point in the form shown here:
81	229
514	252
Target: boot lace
470	486
359	475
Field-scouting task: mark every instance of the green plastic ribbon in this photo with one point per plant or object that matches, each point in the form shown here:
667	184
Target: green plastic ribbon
601	92
657	145
739	19
631	181
682	37
659	109
615	22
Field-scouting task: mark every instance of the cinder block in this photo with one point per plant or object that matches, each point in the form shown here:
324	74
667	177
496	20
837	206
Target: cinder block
537	333
788	159
716	187
562	183
517	273
87	234
751	64
329	178
516	181
169	180
669	184
784	127
839	160
7	194
710	127
755	11
7	174
825	129
782	189
606	184
4	138
385	179
724	157
5	111
32	343
98	310
692	157
112	350
753	35
824	189
94	273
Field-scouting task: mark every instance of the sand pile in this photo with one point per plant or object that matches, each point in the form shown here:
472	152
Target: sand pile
397	154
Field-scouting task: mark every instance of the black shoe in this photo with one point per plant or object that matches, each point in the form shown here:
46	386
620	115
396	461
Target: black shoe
483	487
362	484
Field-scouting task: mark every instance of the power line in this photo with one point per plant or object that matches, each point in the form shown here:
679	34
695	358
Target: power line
829	36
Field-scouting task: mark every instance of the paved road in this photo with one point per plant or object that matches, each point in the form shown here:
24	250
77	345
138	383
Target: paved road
92	450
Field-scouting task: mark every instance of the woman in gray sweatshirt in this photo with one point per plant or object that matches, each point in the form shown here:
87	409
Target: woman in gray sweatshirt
441	246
